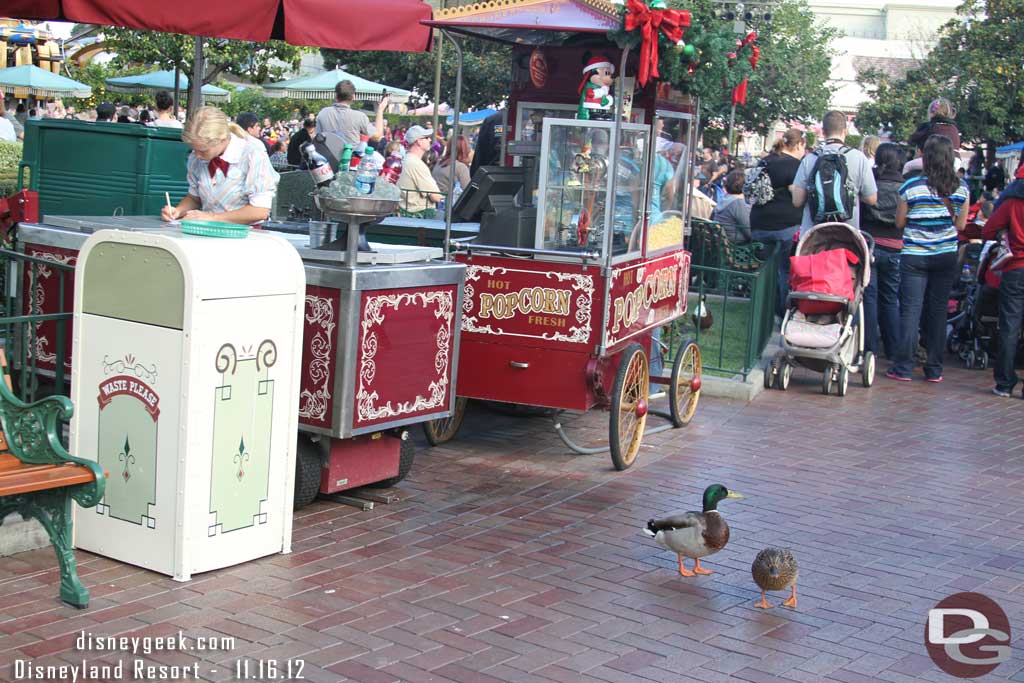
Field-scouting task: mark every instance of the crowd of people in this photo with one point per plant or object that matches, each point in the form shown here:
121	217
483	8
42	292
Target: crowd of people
914	201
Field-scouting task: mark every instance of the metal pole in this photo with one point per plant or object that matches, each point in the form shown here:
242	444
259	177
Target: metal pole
732	124
437	76
455	129
177	87
195	96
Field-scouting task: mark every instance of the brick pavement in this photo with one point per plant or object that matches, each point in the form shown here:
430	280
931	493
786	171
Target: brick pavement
509	560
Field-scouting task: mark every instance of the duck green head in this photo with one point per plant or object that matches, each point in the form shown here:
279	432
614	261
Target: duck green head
715	494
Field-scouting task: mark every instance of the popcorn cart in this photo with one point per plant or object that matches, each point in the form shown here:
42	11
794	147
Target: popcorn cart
580	260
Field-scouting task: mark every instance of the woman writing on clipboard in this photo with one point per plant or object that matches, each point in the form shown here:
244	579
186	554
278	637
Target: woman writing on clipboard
230	178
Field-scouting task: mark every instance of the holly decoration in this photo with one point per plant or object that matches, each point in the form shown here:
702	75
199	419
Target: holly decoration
706	58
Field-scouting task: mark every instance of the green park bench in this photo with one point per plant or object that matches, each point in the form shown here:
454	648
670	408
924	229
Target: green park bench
711	247
39	479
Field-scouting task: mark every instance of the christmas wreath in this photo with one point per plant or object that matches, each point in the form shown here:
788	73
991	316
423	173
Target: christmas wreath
696	54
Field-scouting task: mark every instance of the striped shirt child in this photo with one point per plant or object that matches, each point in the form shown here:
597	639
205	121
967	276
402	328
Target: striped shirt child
930	228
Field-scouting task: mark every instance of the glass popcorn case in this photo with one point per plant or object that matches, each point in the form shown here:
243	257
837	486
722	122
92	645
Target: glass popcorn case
579	207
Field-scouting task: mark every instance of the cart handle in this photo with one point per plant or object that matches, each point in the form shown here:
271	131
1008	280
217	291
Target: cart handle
581	255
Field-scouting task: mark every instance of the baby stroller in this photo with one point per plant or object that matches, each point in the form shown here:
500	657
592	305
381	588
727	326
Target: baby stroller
972	331
821	329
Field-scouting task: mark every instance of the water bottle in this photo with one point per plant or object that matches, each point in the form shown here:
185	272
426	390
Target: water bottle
366	175
318	166
346	157
456	193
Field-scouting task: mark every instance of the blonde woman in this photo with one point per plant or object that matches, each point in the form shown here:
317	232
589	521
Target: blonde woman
868	146
230	178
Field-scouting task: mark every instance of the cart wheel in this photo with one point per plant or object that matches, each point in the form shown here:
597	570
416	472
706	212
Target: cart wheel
406	456
684	391
444	430
983	360
867	369
629	406
969	360
785	373
843	381
307	472
771	371
826	381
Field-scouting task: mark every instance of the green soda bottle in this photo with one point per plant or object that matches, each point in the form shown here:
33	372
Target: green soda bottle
346	157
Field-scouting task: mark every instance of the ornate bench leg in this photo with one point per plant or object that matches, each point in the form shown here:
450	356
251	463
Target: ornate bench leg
53	510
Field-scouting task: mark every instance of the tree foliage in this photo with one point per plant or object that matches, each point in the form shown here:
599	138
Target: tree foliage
256	62
485	73
975	63
789	83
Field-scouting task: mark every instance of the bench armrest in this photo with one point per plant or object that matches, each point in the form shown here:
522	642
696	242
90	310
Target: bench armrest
33	430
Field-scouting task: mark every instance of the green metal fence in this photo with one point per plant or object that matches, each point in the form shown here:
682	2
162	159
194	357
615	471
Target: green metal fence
740	306
22	320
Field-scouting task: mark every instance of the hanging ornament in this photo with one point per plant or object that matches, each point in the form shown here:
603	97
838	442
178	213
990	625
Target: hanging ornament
651	22
538	68
689	51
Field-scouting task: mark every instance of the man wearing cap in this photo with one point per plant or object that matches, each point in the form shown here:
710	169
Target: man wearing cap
105	111
419	189
341	119
595	90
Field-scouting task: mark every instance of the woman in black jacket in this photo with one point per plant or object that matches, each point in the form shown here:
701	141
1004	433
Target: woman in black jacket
881	298
778	220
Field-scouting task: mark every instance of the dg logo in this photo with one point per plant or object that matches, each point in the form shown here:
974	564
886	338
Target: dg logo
967	635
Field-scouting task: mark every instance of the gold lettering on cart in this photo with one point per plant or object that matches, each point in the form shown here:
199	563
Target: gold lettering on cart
527	300
658	286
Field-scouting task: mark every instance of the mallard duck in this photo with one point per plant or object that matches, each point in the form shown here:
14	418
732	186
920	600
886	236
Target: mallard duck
694	534
702	317
775	569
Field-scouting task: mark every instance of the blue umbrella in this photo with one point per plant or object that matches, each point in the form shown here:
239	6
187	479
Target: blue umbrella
472	118
42	83
321	87
161	80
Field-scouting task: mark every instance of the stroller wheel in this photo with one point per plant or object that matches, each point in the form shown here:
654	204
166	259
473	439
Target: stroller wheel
843	382
785	372
969	360
771	371
867	369
826	381
983	360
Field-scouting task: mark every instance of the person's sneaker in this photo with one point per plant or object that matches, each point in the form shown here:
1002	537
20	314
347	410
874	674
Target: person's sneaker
933	380
1001	393
891	374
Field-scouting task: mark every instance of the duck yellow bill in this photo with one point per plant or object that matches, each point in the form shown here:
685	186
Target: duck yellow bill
734	494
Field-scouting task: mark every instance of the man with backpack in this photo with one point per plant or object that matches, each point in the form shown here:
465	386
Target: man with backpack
832	178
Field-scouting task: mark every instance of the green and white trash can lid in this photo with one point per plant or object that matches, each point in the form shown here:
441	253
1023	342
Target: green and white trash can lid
215	229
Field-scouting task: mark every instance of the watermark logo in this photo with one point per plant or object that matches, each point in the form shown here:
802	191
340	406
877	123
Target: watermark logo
967	635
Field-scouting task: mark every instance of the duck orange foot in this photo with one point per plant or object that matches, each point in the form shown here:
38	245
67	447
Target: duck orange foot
791	600
763	604
699	569
683	571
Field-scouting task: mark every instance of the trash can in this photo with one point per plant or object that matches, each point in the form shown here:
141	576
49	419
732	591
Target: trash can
186	376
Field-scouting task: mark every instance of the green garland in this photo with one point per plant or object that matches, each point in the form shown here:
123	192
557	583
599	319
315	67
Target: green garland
709	62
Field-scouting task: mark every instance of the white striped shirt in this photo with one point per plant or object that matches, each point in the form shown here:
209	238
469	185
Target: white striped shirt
250	179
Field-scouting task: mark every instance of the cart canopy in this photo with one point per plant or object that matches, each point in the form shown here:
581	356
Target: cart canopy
530	22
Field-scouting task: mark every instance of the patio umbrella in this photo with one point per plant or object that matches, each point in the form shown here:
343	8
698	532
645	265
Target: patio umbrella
471	118
161	80
321	87
392	25
31	80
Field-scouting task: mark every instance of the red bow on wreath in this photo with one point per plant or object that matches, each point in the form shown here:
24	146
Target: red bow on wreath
671	22
739	93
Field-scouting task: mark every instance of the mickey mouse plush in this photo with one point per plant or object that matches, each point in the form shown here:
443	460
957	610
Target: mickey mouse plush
596	101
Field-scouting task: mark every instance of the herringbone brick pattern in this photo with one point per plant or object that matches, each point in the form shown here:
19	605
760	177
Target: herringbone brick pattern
509	560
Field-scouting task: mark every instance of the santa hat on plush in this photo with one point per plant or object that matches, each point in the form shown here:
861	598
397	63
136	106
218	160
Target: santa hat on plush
593	64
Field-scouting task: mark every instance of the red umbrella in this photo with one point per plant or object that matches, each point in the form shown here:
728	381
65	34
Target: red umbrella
340	24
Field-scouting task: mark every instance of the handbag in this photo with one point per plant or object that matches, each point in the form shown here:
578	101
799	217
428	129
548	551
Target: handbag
1000	252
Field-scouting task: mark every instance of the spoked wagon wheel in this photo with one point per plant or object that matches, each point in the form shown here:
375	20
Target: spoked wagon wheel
629	406
444	430
684	392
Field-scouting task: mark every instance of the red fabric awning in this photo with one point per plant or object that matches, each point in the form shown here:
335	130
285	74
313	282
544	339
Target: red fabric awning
340	24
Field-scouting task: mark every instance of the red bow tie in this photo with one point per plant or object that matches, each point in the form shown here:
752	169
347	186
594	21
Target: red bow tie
218	162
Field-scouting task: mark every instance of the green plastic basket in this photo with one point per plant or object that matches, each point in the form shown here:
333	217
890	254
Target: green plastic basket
215	229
